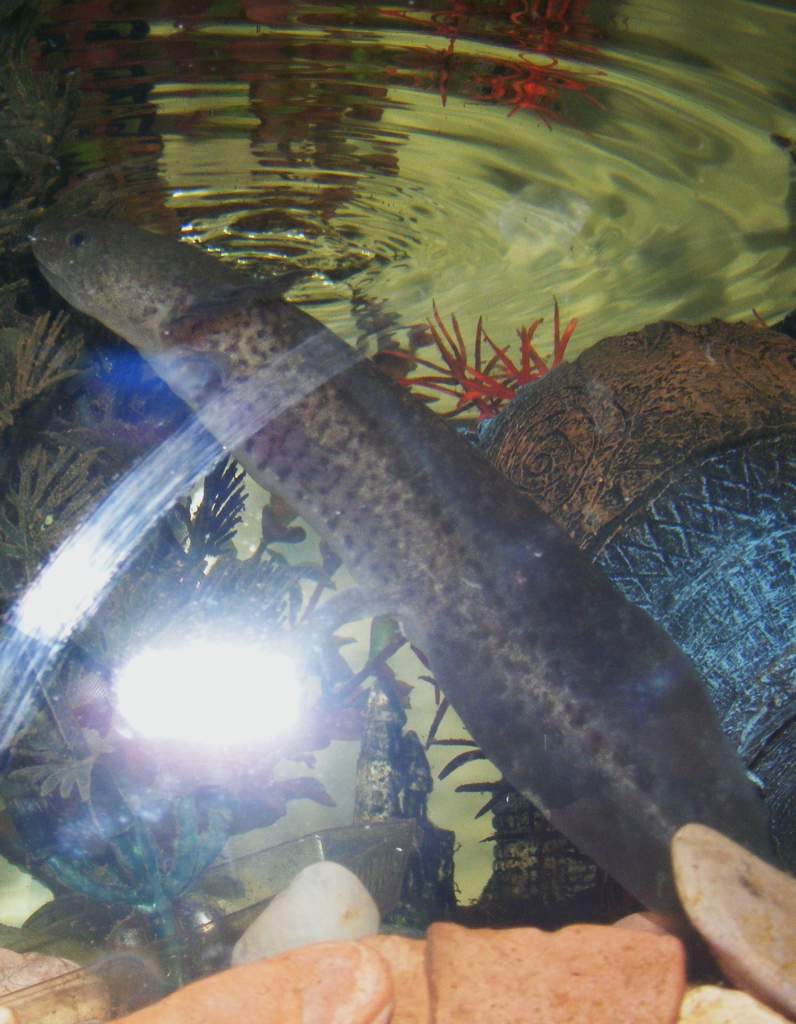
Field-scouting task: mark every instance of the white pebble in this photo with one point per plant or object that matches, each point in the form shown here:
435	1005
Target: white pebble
324	902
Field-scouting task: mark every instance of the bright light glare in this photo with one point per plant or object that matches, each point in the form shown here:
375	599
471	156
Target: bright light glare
209	692
64	592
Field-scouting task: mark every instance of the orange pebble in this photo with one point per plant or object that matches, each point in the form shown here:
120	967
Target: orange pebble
325	983
583	974
407	960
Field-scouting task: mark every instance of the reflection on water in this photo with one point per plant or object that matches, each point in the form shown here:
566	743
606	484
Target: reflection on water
633	160
488	155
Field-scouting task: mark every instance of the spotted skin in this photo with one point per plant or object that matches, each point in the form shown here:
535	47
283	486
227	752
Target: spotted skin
578	697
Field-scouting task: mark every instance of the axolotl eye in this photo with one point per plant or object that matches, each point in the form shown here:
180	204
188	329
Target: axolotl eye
77	239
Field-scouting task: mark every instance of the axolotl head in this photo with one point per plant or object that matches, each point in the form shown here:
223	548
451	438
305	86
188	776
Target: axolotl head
133	281
160	295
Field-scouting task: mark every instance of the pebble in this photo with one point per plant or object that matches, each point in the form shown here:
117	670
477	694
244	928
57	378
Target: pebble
709	1004
40	989
21	970
326	983
324	902
582	974
407	960
314	956
744	909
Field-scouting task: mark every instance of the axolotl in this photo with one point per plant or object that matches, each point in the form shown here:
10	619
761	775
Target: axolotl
577	696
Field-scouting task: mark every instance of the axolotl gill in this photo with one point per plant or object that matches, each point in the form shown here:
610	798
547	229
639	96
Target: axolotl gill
575	694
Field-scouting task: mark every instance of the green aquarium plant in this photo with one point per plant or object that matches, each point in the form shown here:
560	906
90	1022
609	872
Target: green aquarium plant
119	819
85	807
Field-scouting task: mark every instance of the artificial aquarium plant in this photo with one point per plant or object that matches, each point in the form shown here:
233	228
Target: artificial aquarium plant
491	379
538	36
98	814
82	809
95	810
84	813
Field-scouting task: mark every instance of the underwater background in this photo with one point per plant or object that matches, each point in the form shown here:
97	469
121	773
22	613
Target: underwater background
439	173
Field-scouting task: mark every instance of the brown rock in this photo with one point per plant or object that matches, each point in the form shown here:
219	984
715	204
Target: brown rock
709	1004
325	983
744	909
407	960
583	974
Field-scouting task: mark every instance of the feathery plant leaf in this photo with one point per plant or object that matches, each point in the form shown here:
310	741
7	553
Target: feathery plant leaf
41	360
51	491
212	525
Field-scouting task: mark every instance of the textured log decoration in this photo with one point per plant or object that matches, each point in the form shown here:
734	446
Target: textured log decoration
669	454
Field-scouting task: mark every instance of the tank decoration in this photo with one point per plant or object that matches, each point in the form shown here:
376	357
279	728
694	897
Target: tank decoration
393	783
35	362
523	84
668	453
538	876
131	823
486	384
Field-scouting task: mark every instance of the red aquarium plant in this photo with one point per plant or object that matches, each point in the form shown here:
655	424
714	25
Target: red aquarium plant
544	25
493	378
551	28
522	85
